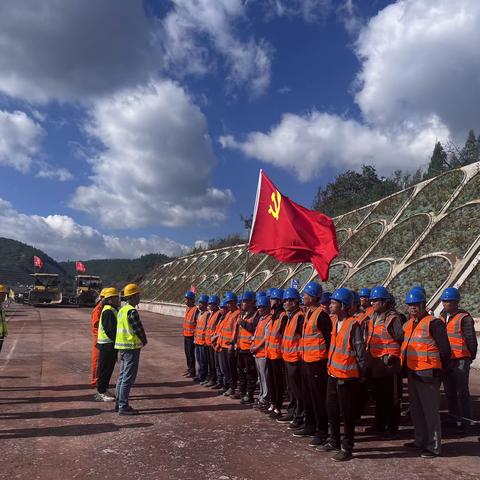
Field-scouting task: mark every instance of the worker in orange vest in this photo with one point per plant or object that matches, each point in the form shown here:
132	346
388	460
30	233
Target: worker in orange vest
247	371
220	385
258	350
292	355
95	318
365	303
189	322
273	350
384	336
201	361
226	341
346	366
214	318
316	333
463	343
425	351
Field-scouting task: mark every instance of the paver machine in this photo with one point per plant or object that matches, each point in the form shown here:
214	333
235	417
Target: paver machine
45	290
87	290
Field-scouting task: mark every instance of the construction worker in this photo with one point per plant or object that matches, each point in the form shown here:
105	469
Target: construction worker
3	320
226	338
425	351
258	350
129	341
95	317
346	366
221	385
199	340
247	372
325	300
384	336
189	321
273	348
213	319
463	343
292	354
315	343
365	303
107	331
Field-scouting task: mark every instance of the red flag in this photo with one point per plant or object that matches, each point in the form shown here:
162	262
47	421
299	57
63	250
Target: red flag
289	232
80	267
193	288
37	262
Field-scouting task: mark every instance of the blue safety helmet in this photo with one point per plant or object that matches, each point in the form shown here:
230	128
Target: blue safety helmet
270	291
291	293
230	297
248	295
261	293
355	298
364	293
415	295
342	295
214	299
277	294
263	301
450	294
420	288
239	299
379	293
223	303
325	298
313	289
203	298
189	295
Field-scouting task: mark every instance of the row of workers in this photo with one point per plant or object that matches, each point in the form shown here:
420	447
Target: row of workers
117	331
3	320
327	352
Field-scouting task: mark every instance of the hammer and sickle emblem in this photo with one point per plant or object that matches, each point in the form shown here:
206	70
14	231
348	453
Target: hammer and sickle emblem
277	200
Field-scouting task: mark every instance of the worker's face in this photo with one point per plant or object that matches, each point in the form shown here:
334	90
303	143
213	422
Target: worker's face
232	305
202	306
291	304
309	301
190	302
379	305
263	311
335	307
247	305
115	301
213	307
354	307
364	302
450	307
417	310
275	303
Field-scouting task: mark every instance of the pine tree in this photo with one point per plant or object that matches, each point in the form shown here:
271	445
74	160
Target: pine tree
471	151
438	162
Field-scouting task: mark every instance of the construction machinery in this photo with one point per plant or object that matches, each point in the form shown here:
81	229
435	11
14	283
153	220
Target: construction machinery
45	290
87	290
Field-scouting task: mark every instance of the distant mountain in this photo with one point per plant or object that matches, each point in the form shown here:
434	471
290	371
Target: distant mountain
16	263
117	272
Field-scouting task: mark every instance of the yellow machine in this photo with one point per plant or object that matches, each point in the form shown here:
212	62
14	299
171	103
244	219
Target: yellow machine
45	290
87	290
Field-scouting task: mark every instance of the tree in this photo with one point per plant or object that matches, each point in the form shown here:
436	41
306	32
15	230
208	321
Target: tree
471	151
438	162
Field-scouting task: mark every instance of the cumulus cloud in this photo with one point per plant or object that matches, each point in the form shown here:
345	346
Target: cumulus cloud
71	50
309	10
192	27
155	164
62	238
418	83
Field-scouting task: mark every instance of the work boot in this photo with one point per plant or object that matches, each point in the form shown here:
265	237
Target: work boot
304	432
211	383
329	446
103	397
128	411
317	441
217	386
229	392
221	391
247	399
237	396
342	456
295	424
285	419
275	415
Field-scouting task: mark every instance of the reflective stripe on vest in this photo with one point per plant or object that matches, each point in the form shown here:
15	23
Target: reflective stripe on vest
189	321
211	325
313	345
380	342
419	350
455	336
3	324
273	341
260	336
227	329
291	341
200	328
126	339
342	361
245	338
102	337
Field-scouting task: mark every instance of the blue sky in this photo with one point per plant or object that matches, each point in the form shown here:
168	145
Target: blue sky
129	127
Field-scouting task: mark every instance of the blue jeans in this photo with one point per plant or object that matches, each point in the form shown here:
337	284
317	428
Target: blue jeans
129	361
202	361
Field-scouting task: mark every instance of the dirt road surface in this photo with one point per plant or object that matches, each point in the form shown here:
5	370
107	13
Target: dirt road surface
51	429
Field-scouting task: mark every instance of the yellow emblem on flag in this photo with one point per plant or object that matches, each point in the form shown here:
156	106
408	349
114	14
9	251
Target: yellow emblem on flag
277	200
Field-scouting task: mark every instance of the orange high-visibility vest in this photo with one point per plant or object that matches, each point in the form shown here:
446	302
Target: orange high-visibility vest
260	336
227	328
363	316
291	341
189	321
200	328
273	342
211	325
96	313
342	361
419	350
245	338
313	345
380	342
455	336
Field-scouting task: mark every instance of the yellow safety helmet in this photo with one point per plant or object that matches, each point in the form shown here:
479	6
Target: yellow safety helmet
109	292
3	289
102	292
131	289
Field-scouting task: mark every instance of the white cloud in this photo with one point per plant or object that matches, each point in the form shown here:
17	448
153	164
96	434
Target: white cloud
156	161
62	238
191	27
73	50
309	10
46	170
